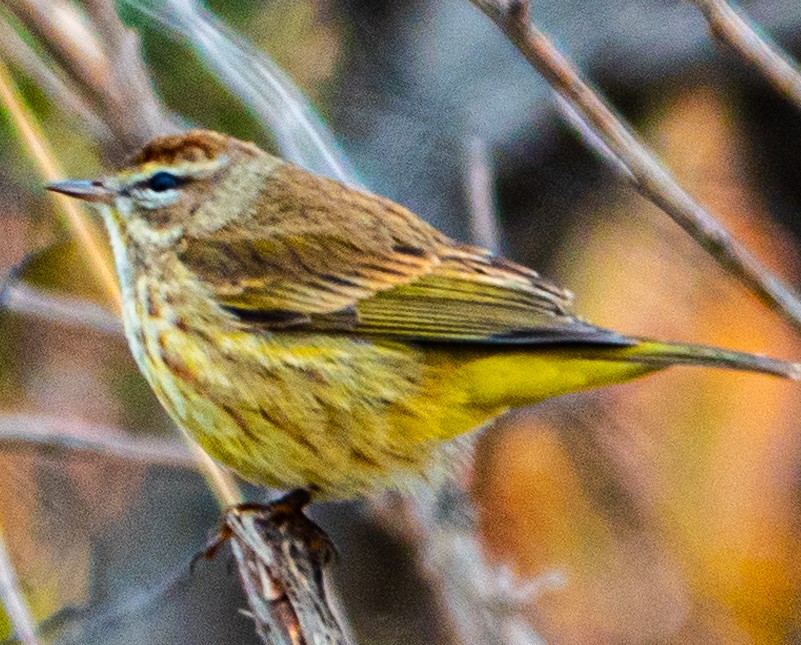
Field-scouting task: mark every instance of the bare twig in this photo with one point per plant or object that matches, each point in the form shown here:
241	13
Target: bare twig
13	600
14	49
281	557
60	309
730	28
591	138
261	84
477	602
650	178
479	184
49	169
62	434
219	480
104	65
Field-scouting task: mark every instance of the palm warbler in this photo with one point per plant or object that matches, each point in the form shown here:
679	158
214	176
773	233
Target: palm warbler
310	335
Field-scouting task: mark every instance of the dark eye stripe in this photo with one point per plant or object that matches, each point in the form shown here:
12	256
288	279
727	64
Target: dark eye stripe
163	180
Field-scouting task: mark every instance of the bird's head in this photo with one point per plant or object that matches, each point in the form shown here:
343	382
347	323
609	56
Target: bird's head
197	181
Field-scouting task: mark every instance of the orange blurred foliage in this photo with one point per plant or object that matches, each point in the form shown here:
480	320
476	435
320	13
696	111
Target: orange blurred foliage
670	504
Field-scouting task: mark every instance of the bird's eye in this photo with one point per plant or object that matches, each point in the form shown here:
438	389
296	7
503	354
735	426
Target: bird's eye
163	180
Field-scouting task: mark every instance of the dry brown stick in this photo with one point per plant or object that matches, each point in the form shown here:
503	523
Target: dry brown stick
13	601
648	175
281	557
730	28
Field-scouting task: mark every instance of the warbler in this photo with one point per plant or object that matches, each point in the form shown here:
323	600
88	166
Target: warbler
309	335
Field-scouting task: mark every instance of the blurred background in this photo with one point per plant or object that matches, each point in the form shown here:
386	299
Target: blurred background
669	508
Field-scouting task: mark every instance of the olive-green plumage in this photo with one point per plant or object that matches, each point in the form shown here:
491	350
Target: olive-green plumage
310	335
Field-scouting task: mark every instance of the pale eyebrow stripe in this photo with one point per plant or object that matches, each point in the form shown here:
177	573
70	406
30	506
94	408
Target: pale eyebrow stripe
188	169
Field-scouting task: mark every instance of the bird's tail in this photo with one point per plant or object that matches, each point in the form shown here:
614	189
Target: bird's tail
657	353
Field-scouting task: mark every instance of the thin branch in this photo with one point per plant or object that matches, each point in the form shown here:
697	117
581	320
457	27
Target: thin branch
219	480
477	602
14	49
105	65
39	151
61	434
13	600
591	138
60	309
730	28
480	188
281	556
650	178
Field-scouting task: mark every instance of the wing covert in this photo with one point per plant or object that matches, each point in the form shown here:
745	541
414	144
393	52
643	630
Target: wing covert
311	246
317	256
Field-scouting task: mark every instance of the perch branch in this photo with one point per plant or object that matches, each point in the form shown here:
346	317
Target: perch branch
647	174
13	601
281	556
730	28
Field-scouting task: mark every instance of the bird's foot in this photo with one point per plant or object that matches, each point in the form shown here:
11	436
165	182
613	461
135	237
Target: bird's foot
282	518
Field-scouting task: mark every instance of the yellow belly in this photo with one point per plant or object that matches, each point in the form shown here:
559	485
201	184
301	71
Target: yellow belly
343	415
340	415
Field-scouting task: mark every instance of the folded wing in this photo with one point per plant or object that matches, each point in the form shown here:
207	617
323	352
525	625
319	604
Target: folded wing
317	256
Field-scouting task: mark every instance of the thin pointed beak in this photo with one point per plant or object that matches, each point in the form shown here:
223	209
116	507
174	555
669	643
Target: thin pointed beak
89	191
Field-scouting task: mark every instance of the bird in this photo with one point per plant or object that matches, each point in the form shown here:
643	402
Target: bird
309	335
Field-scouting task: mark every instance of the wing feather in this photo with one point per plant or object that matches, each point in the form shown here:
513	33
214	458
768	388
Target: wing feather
318	256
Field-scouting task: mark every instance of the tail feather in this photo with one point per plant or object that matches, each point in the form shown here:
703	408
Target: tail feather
660	353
